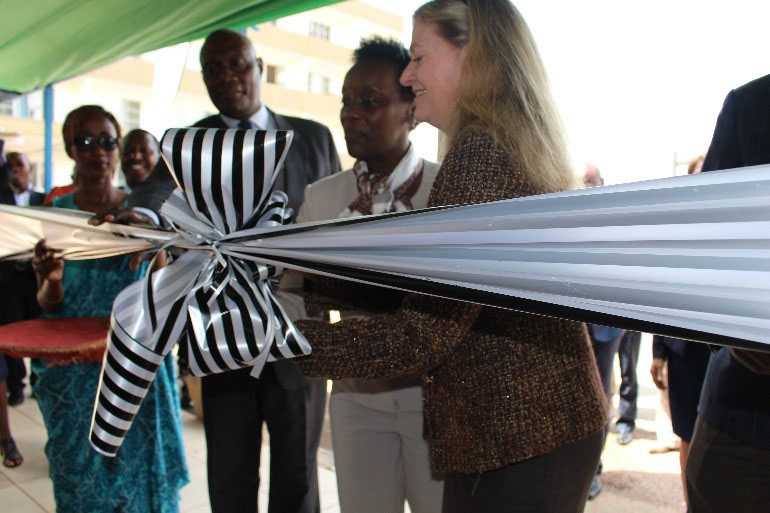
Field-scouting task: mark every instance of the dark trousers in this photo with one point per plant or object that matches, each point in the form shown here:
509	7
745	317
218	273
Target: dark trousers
628	353
315	409
234	407
726	475
17	371
19	304
557	482
605	355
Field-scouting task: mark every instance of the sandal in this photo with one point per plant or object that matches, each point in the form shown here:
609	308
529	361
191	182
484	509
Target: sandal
11	456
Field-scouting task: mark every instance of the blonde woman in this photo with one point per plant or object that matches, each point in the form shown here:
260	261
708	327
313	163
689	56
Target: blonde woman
514	409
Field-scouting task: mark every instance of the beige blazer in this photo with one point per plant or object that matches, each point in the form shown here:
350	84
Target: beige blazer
326	199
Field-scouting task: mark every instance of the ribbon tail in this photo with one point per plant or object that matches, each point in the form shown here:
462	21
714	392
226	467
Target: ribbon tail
128	369
147	320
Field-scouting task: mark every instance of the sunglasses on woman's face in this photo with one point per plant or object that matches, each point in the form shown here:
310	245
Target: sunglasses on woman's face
89	142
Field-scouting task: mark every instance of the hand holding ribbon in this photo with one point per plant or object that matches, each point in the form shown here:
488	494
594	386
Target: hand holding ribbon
685	257
220	306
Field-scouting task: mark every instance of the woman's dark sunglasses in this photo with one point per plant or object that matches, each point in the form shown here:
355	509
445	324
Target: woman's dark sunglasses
89	142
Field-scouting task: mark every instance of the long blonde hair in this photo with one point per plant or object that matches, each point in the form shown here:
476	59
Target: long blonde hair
504	88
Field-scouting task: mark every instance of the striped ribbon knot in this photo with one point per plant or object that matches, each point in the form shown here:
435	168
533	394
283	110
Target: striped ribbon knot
216	303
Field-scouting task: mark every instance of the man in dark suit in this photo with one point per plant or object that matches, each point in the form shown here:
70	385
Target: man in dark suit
17	276
18	190
728	468
235	404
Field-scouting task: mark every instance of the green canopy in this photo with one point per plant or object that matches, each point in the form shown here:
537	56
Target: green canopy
45	41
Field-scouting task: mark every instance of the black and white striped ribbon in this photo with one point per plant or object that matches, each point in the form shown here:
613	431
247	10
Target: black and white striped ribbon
687	257
219	306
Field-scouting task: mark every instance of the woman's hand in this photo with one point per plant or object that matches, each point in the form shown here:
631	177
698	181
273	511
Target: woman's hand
161	260
49	270
656	370
122	216
47	266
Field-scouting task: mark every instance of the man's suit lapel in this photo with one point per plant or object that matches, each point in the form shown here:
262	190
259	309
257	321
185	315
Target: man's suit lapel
289	166
7	197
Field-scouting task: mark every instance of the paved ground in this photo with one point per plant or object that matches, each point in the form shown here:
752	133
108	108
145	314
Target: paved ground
635	481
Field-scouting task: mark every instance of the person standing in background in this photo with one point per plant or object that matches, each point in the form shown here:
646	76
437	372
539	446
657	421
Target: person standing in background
139	156
628	354
18	276
605	341
685	366
729	457
19	174
235	404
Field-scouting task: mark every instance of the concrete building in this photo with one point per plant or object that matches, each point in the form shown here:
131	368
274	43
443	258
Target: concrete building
305	56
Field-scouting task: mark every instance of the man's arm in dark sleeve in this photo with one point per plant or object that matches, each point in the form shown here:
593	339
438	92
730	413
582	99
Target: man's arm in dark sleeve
151	194
658	347
724	151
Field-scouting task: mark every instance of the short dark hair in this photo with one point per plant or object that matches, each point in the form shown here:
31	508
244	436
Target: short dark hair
13	155
223	35
136	132
385	50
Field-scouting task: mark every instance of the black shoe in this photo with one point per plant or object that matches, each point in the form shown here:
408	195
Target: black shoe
185	401
15	397
186	405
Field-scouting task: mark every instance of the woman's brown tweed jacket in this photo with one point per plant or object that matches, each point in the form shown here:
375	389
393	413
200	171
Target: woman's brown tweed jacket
499	386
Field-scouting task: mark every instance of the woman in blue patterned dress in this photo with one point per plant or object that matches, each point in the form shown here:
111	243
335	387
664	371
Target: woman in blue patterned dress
150	468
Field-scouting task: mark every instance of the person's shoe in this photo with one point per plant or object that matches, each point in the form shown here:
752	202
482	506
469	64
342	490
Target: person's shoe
595	489
185	401
15	398
187	405
625	433
664	448
12	458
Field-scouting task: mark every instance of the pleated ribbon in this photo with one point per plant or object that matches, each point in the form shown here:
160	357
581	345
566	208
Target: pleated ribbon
687	257
221	308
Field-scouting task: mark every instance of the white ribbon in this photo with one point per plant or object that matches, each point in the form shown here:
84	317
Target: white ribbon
218	305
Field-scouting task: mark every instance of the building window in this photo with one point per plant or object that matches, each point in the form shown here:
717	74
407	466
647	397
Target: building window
318	84
6	107
271	73
319	30
132	111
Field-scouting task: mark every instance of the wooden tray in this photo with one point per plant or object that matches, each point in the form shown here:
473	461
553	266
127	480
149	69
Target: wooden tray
61	341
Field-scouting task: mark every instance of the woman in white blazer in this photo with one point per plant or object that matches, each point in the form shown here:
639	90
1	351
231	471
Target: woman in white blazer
380	455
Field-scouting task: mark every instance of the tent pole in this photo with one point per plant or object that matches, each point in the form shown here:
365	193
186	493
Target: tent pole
48	145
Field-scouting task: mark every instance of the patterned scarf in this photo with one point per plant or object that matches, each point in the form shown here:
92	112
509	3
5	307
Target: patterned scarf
390	193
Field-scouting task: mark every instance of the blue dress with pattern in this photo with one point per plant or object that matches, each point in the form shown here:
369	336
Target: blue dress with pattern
150	468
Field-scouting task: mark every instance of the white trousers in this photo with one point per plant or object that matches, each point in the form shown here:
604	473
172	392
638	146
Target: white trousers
380	455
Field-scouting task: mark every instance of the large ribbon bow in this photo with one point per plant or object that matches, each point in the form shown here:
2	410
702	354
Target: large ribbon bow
686	257
219	305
